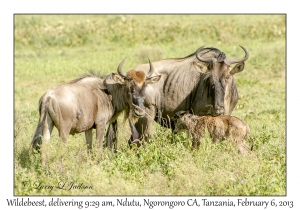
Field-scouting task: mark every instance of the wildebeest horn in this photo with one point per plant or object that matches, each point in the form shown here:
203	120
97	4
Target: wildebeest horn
151	69
206	60
120	68
229	61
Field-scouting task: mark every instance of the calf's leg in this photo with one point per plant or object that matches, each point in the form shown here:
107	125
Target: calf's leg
195	143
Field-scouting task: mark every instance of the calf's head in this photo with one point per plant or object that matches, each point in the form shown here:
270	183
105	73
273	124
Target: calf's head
180	124
135	83
218	80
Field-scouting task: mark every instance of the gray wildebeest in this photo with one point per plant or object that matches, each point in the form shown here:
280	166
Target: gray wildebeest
201	82
219	127
90	102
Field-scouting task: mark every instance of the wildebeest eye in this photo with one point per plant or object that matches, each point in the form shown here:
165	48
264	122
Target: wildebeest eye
227	78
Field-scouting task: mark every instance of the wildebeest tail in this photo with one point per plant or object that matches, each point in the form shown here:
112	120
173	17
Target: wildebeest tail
37	138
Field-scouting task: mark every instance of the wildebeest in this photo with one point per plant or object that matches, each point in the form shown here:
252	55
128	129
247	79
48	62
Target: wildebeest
220	128
90	102
201	82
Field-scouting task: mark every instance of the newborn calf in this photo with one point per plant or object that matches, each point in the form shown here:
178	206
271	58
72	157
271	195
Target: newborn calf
219	128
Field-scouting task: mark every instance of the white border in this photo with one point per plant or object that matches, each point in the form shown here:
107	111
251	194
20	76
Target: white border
9	8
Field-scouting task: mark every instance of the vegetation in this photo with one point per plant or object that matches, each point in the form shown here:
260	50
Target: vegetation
54	49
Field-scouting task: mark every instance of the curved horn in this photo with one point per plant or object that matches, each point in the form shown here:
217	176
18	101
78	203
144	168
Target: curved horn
229	61
120	68
206	60
151	69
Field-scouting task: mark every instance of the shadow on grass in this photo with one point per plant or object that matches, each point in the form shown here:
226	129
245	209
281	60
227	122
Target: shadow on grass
25	157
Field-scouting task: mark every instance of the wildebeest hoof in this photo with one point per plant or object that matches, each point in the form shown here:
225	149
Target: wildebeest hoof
137	142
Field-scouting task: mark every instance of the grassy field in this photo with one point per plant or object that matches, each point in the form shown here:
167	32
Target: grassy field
54	49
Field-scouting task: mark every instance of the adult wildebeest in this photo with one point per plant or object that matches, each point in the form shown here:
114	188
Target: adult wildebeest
90	102
220	128
201	82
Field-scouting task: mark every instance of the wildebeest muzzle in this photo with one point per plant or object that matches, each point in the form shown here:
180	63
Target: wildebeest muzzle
215	111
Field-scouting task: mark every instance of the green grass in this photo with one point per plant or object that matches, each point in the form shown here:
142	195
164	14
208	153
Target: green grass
54	49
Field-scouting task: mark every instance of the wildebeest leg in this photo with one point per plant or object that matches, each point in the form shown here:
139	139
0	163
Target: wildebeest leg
239	141
48	127
214	139
47	130
99	135
144	126
195	143
144	129
64	132
138	125
115	128
111	136
89	138
241	148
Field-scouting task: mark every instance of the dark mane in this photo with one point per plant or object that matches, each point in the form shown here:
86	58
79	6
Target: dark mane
182	58
209	49
190	55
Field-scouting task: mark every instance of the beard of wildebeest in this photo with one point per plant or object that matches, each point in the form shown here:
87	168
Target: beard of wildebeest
210	97
215	87
136	91
215	96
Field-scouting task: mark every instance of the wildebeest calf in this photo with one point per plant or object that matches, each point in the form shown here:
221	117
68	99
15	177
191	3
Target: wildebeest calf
220	128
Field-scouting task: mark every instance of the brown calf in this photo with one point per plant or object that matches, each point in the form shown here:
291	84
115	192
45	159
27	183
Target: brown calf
220	128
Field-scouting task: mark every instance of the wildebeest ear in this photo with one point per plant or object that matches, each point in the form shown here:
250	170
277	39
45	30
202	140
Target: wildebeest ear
180	114
118	78
238	68
102	86
153	79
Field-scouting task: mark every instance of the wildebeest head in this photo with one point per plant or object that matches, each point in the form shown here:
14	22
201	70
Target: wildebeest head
135	83
219	77
179	122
